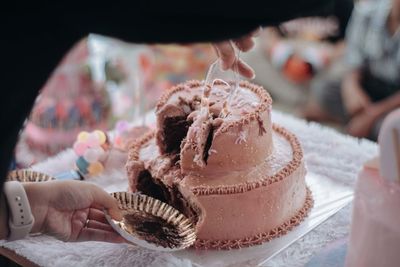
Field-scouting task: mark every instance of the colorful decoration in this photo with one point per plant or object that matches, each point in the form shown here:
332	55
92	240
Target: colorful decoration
95	80
95	168
83	136
79	148
71	101
173	64
92	150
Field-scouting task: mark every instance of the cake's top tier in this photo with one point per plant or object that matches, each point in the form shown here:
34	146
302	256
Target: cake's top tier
248	101
213	132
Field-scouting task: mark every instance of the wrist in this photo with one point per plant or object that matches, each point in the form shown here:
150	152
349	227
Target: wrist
38	201
389	104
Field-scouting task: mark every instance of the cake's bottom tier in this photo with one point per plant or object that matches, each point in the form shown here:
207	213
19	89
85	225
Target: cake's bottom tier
279	202
243	209
244	227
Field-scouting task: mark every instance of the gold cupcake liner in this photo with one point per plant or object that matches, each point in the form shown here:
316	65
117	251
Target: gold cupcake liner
160	225
26	175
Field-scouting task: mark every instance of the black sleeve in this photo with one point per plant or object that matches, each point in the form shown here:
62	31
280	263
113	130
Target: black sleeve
34	39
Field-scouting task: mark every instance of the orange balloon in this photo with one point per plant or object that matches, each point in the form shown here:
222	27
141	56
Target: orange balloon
297	70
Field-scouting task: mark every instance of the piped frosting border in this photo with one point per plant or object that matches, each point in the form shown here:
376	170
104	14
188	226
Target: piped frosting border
265	103
261	237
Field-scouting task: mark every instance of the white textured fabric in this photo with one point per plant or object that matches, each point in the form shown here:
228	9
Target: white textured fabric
327	153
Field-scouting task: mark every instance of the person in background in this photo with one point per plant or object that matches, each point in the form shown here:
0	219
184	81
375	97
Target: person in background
370	87
290	56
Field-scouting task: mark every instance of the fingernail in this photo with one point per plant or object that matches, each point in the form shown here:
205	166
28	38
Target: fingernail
116	215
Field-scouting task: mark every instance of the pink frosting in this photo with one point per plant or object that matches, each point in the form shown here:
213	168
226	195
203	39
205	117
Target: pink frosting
43	136
236	216
375	233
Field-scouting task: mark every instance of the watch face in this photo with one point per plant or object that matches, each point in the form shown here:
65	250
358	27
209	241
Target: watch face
26	175
150	223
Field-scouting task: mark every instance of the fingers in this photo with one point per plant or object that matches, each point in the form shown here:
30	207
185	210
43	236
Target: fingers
78	221
102	199
90	234
91	225
98	215
245	43
228	58
226	53
99	225
245	70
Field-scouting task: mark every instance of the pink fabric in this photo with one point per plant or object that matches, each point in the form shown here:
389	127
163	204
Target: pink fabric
42	136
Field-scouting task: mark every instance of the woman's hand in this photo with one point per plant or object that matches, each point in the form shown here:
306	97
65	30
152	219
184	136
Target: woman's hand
72	211
226	52
362	123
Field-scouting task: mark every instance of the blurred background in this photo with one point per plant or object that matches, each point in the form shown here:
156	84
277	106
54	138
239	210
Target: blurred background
342	70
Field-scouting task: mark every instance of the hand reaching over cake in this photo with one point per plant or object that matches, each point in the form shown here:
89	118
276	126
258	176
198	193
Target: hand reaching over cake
226	52
237	176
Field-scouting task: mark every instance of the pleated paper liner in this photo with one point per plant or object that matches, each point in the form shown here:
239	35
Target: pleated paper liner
26	175
152	224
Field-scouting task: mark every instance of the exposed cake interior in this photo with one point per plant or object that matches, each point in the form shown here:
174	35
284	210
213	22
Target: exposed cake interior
175	129
187	122
147	185
151	186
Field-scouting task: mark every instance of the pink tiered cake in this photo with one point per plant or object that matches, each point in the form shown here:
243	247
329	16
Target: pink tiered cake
221	162
375	233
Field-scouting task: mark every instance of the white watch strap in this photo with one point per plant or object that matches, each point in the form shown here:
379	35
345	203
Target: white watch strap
20	215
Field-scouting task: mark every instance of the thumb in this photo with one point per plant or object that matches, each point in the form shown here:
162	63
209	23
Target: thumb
102	200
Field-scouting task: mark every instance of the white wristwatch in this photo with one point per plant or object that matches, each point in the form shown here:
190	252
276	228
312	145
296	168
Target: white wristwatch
20	215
